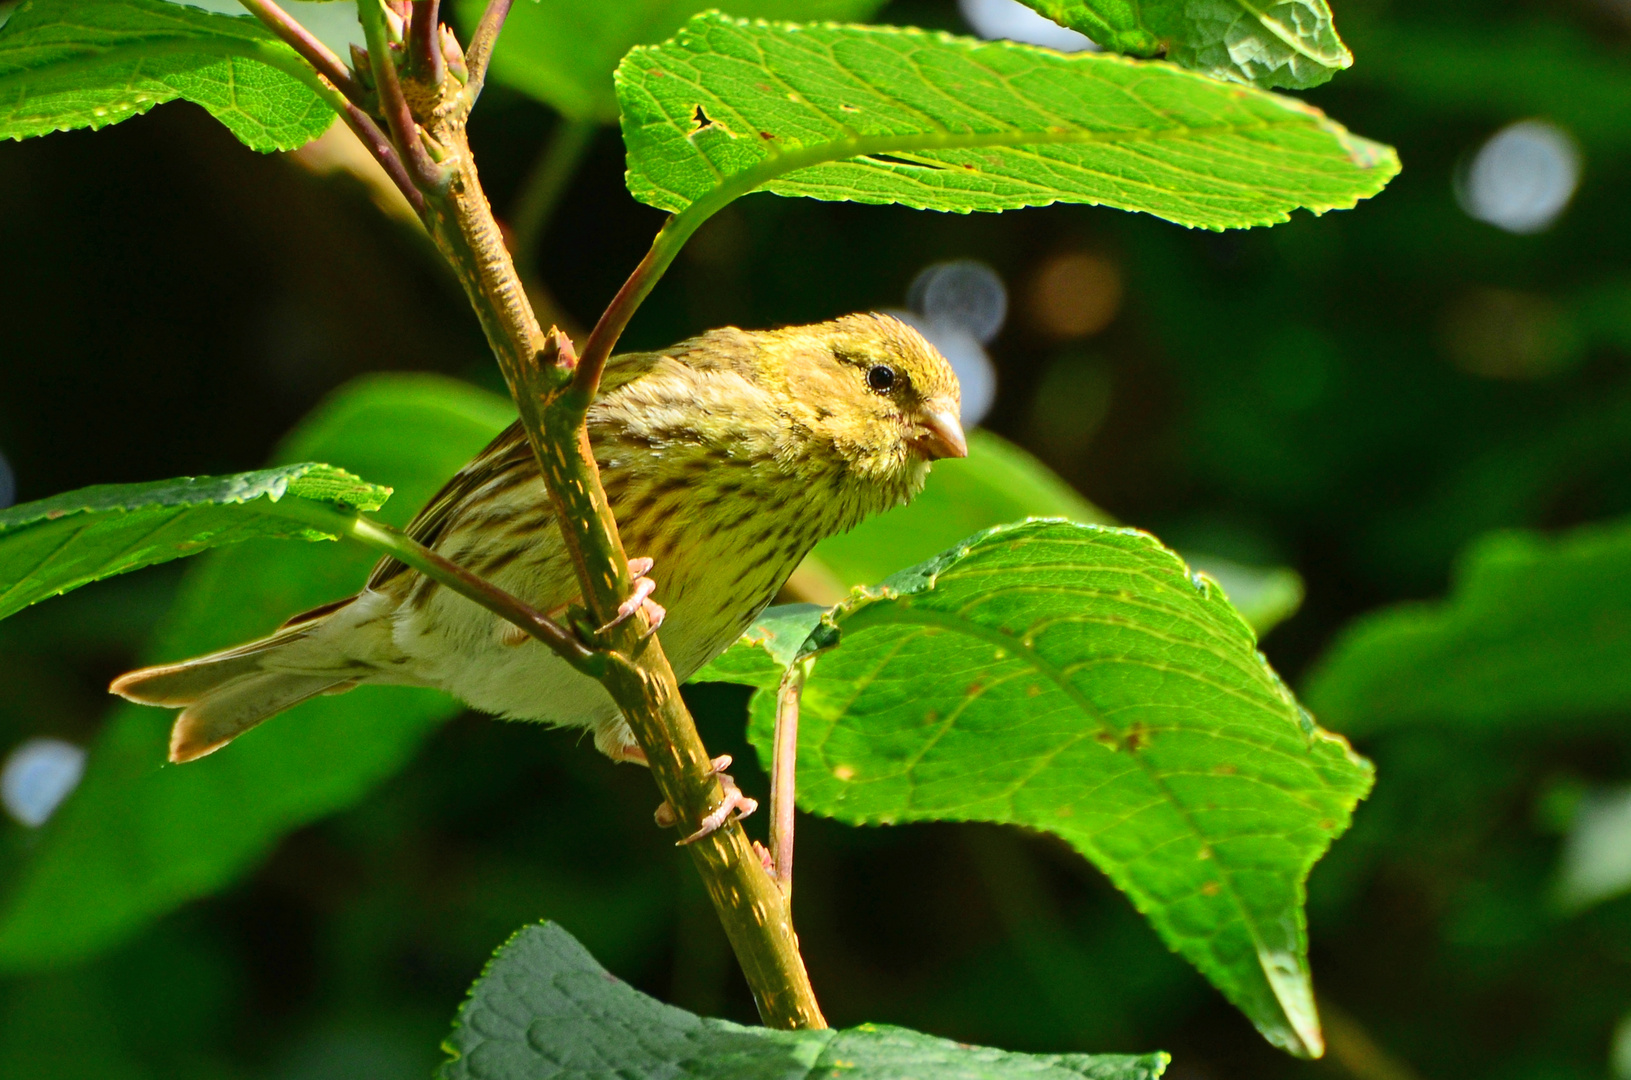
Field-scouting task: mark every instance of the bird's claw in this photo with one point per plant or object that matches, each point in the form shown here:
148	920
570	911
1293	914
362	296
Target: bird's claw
733	807
640	599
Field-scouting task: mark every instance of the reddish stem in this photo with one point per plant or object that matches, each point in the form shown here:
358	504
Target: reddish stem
424	171
302	41
425	44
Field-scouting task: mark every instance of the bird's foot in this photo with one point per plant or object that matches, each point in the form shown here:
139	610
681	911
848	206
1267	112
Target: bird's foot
640	599
733	807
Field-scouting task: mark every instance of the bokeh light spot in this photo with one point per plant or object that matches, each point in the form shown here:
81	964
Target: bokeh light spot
1071	404
37	776
1522	179
1075	295
962	292
1502	334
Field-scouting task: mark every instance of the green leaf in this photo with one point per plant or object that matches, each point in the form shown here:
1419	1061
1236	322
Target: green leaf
57	544
898	115
545	1008
138	837
563	52
1081	680
1290	43
68	64
997	483
1536	632
1265	596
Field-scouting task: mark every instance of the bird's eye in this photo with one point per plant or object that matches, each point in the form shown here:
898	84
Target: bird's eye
880	377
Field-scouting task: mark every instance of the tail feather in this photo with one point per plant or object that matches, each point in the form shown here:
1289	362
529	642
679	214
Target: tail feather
227	693
234	707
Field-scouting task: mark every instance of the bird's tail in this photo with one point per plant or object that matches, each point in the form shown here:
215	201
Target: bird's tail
227	693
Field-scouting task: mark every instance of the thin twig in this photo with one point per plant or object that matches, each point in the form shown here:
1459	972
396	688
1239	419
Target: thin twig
480	52
302	41
358	121
425	42
426	173
603	338
406	549
783	773
539	369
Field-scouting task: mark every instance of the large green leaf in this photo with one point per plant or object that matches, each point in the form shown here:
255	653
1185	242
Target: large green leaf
563	52
68	64
1536	631
1081	680
1290	43
896	115
139	837
545	1010
57	544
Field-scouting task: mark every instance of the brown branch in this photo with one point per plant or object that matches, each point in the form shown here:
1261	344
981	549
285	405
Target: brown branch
553	396
540	371
302	41
482	41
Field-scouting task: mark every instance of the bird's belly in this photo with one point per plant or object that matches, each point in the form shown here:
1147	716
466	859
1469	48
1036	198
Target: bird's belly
712	583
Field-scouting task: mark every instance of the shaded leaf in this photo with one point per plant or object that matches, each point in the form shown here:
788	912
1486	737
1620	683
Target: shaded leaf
57	544
68	64
545	1010
1536	631
139	837
899	115
1290	43
1082	680
563	53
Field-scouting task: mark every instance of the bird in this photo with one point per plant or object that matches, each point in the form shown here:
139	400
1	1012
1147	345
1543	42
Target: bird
725	459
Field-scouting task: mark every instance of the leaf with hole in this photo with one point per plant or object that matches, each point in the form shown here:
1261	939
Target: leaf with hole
1289	43
137	839
68	64
545	1008
927	120
1082	680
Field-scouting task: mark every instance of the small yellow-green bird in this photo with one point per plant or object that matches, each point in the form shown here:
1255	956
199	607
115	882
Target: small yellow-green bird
726	458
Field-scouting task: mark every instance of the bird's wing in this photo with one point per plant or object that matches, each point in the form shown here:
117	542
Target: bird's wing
509	450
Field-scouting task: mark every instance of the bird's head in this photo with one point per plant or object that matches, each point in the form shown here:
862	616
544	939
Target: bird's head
877	394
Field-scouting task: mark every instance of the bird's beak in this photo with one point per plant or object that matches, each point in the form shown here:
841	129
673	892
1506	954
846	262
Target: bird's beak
941	434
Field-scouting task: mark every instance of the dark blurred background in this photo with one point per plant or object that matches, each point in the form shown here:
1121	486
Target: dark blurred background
1356	396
